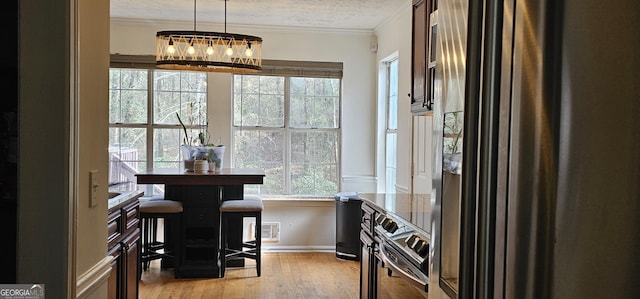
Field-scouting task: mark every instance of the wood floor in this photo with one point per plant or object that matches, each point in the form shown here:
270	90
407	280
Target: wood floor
284	275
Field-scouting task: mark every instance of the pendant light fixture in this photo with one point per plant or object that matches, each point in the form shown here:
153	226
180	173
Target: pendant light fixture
209	51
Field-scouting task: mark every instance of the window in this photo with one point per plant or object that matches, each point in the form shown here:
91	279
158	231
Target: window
144	131
391	131
288	125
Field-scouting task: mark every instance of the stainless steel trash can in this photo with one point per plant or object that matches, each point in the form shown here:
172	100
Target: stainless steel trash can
348	217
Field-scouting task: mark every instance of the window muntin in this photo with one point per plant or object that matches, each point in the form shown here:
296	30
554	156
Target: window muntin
258	101
315	103
128	96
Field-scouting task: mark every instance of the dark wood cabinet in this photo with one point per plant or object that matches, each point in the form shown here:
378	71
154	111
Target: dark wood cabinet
199	236
129	279
114	286
123	239
418	56
423	55
369	246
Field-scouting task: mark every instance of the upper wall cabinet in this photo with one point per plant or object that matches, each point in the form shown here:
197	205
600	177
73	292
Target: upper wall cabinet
423	56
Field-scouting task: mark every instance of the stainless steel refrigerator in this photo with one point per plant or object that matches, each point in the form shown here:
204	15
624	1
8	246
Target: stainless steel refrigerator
536	150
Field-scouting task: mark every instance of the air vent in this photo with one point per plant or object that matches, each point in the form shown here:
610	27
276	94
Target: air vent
270	231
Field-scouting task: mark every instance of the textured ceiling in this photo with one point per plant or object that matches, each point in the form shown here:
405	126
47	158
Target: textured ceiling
330	14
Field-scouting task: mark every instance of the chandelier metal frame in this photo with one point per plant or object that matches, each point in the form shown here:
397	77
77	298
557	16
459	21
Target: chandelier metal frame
209	51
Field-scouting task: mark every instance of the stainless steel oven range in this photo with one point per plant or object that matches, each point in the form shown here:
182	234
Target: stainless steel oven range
401	257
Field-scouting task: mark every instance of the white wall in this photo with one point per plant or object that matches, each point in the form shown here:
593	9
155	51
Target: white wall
394	35
91	142
308	225
304	225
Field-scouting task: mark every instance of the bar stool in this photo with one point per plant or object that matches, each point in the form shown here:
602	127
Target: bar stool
251	207
150	212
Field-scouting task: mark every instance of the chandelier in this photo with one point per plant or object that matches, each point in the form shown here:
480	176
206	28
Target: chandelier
209	51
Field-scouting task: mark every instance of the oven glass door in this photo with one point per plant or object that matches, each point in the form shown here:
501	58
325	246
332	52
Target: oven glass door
391	282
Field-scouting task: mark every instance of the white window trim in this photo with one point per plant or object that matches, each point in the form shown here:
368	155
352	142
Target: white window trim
288	69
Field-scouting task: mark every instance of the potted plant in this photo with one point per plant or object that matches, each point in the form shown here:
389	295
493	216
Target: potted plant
197	152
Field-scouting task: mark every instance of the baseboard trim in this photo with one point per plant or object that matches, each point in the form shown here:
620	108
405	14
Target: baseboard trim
276	202
276	248
94	278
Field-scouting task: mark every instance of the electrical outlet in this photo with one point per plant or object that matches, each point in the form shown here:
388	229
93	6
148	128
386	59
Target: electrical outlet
93	189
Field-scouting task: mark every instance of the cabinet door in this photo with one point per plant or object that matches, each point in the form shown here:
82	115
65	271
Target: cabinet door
423	56
131	217
114	228
131	246
114	278
419	55
367	267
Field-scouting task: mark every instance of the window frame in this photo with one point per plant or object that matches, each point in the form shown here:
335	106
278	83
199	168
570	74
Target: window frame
288	70
147	63
388	130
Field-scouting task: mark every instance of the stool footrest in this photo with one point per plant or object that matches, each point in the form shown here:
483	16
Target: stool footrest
155	245
237	254
251	244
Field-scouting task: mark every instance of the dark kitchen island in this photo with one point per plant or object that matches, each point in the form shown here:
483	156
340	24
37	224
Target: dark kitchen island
201	194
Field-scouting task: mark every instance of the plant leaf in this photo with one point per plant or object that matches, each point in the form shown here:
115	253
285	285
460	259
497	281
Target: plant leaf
186	138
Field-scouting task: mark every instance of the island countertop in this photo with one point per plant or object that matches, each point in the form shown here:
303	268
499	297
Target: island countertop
119	199
177	176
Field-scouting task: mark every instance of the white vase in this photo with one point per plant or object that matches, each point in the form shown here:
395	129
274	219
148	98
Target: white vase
188	156
188	165
216	157
212	166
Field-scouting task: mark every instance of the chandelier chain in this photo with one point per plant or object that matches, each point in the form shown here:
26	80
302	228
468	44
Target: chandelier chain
225	16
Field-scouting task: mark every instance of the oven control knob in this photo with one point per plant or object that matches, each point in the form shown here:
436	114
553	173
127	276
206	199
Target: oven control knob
416	242
386	222
421	248
392	227
411	240
389	225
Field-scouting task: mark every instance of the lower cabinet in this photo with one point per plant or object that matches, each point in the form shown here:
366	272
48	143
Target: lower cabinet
369	246
124	246
114	285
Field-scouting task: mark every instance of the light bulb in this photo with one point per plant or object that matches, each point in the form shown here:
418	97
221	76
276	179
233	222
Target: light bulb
191	50
171	49
229	51
210	50
248	52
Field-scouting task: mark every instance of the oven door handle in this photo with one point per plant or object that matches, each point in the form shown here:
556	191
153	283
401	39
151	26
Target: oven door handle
420	283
